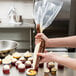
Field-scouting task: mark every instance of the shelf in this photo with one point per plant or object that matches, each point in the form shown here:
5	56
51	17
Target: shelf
26	24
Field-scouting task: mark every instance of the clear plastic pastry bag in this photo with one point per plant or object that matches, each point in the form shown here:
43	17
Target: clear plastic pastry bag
45	12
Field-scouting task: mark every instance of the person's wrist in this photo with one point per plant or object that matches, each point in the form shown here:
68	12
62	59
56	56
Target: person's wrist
46	43
55	58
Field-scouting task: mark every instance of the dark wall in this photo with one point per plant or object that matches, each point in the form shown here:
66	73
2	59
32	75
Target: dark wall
58	28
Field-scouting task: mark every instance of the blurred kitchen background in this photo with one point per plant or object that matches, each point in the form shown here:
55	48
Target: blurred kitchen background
24	30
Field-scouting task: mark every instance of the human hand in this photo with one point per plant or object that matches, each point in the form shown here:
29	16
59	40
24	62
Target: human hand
40	36
48	57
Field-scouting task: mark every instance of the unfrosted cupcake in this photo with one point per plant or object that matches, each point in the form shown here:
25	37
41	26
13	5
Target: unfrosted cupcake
30	59
6	69
41	65
60	66
17	63
27	55
14	61
28	64
0	61
31	72
16	55
22	59
21	68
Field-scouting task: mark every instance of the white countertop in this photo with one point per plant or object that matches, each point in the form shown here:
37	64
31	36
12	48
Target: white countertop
65	72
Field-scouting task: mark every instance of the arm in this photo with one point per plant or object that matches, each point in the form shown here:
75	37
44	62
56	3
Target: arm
57	42
52	57
68	62
62	42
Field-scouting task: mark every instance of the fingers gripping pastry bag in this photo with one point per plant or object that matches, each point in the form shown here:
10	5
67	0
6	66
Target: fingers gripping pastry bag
45	12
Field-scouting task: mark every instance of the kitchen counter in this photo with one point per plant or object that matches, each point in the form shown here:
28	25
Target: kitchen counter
23	25
65	72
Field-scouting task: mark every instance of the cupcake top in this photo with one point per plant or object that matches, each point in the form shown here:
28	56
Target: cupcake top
14	60
22	58
46	70
21	66
28	62
18	62
50	63
29	59
5	67
31	72
54	69
9	57
27	54
16	54
6	61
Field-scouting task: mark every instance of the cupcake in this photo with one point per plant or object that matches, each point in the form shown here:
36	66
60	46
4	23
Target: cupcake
41	65
0	61
9	57
17	63
30	59
53	71
51	65
21	68
27	55
31	72
60	67
13	61
6	62
46	72
22	59
16	55
28	64
6	69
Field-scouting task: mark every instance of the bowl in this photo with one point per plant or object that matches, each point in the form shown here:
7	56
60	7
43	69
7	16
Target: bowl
7	47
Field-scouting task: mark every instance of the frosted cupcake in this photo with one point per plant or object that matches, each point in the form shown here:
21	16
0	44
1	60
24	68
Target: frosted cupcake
21	68
22	59
28	64
51	65
31	72
9	57
17	63
27	55
6	62
6	69
13	61
30	59
41	65
0	61
16	55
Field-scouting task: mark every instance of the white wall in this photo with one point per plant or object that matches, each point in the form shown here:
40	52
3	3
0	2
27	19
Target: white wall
23	7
